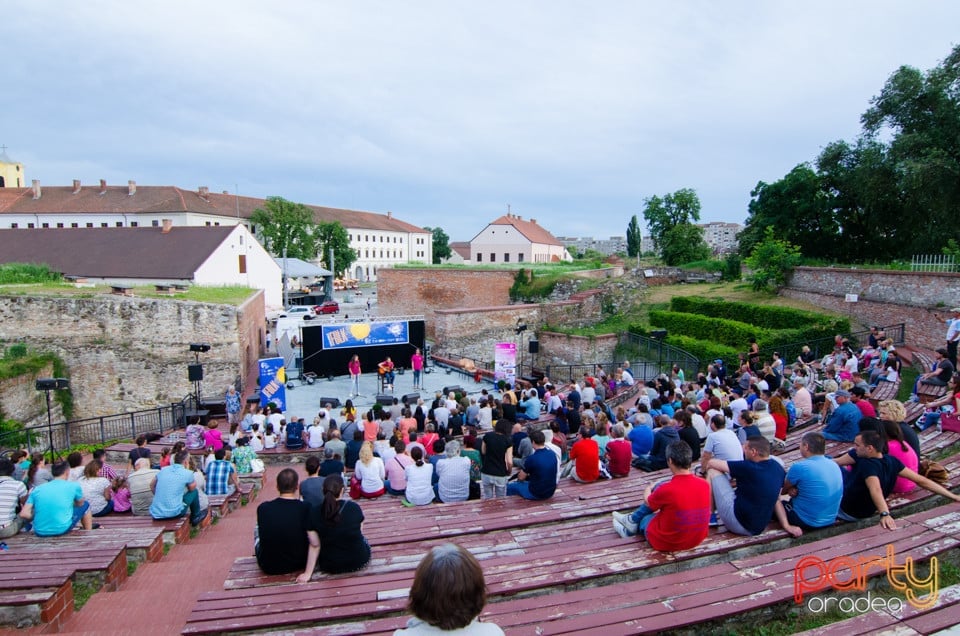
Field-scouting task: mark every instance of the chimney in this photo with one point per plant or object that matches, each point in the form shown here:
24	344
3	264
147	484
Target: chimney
103	186
131	187
167	226
534	221
389	214
204	191
36	189
76	186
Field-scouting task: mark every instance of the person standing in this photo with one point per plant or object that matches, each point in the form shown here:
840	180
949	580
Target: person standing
416	363
953	334
496	452
354	368
233	405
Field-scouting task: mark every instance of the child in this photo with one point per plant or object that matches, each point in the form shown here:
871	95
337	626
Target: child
121	495
269	439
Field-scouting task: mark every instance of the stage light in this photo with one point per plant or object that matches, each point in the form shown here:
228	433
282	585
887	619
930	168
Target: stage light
199	347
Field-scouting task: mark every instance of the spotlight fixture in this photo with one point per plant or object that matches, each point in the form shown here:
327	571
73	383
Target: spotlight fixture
521	327
199	347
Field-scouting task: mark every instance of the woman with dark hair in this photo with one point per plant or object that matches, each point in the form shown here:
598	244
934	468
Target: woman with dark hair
419	491
420	416
687	432
96	490
38	473
898	447
508	407
457	573
339	524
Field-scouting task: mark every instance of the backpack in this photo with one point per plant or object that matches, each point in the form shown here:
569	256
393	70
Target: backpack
294	438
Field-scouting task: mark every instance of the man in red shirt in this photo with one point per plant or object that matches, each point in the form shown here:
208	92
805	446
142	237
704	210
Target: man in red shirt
676	515
585	454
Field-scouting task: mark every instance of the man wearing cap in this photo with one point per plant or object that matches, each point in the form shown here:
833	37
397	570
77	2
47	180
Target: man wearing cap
953	334
843	424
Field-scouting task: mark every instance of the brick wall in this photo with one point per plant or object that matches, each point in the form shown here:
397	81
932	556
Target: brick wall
884	297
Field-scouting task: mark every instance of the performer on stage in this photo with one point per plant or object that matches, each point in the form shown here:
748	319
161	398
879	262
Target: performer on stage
385	369
416	362
354	367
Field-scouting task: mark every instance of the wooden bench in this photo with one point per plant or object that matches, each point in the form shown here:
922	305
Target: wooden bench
174	530
222	505
884	391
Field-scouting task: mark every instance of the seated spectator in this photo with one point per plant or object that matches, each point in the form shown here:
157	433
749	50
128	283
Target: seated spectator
676	513
369	470
656	459
311	488
764	420
283	533
97	490
781	418
140	452
395	470
141	489
815	485
293	437
538	478
121	495
619	453
529	408
872	478
38	473
352	452
641	439
169	499
522	447
450	568
745	428
688	433
106	470
13	493
842	425
858	397
419	491
332	463
585	456
243	455
941	373
75	461
58	505
748	509
894	411
336	444
453	472
721	443
212	437
194	435
338	524
222	478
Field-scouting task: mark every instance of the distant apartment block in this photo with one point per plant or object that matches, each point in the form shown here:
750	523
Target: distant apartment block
609	246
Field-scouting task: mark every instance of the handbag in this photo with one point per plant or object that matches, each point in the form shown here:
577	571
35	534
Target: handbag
950	422
355	490
256	465
934	471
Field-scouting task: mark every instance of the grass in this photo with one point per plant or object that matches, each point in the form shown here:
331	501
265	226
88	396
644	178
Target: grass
908	376
227	295
82	591
132	567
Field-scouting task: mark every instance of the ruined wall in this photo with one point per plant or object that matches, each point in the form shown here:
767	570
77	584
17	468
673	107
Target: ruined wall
884	298
20	400
561	349
128	353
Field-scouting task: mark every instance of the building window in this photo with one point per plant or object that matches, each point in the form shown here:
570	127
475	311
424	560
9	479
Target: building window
89	224
493	257
59	224
209	223
14	226
243	263
520	257
45	225
506	257
155	223
119	223
74	225
30	226
134	224
479	257
104	224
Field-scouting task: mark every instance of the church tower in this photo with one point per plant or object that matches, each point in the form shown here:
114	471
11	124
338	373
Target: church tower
11	172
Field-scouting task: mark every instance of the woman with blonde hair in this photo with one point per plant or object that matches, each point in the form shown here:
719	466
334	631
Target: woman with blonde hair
370	471
894	411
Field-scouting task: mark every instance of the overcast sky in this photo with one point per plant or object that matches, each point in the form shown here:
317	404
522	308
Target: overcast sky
446	112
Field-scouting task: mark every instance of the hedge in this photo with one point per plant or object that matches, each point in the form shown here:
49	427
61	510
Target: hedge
706	350
761	316
731	333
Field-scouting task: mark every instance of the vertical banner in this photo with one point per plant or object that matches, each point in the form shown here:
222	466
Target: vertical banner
273	379
505	362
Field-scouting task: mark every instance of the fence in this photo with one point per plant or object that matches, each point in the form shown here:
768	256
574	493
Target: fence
95	430
933	263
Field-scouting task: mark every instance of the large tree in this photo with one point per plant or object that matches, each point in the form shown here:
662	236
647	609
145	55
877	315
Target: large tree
441	244
663	214
332	235
683	243
634	238
284	225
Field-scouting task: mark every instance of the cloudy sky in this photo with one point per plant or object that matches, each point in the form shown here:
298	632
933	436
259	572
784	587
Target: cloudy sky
446	112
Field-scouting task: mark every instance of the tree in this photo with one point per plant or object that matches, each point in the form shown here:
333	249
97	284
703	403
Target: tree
771	261
333	235
662	214
683	243
634	238
282	224
441	244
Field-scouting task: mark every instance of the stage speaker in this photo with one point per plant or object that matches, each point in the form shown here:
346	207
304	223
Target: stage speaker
534	346
410	399
385	399
332	401
46	384
455	388
195	372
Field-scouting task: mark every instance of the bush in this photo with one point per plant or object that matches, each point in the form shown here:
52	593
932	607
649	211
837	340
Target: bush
27	274
732	333
706	350
762	316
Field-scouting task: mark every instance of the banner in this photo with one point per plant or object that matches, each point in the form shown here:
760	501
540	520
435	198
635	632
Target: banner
273	380
505	362
365	334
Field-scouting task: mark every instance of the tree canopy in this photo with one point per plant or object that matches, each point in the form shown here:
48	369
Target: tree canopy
671	220
332	235
282	224
891	193
441	244
634	238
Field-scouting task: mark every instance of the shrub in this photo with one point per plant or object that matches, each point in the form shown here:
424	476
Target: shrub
721	330
763	316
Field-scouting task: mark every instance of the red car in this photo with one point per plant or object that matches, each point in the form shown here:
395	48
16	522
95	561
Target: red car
327	307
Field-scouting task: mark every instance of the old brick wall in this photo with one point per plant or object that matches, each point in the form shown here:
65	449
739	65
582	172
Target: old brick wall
884	297
128	353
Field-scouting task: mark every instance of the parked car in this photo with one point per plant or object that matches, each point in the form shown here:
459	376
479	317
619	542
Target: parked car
299	311
327	307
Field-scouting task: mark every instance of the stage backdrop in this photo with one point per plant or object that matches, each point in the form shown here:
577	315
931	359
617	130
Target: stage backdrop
327	348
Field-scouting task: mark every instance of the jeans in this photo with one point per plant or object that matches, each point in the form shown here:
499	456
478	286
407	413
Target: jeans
521	488
354	385
493	486
416	378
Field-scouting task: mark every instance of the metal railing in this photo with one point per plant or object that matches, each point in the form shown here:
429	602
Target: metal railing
822	346
666	355
60	436
933	263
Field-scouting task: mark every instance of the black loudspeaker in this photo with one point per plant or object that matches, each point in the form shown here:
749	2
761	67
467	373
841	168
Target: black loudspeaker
333	402
385	399
456	388
410	399
534	346
195	372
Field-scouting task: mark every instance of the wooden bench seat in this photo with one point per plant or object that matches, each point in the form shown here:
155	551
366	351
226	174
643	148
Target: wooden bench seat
51	605
884	391
174	530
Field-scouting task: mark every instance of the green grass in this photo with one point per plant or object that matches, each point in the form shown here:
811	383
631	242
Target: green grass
908	376
132	567
24	273
82	591
227	295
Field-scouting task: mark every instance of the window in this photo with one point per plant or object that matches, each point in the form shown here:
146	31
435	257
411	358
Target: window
520	257
367	254
119	224
243	263
59	224
479	257
493	257
155	223
74	225
45	225
134	224
30	226
14	226
104	224
209	223
506	257
89	224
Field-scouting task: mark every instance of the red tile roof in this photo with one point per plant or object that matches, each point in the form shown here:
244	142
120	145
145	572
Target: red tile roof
462	248
530	229
115	252
159	199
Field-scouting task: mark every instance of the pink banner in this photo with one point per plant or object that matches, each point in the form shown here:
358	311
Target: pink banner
505	362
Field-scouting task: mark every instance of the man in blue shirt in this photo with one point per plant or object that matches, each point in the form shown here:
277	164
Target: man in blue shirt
844	423
170	500
222	477
641	440
538	479
748	509
530	406
56	506
815	485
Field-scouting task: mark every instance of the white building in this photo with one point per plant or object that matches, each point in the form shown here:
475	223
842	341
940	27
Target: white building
510	239
721	237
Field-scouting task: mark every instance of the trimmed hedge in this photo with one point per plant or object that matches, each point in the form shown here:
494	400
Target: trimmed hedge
731	333
761	316
706	350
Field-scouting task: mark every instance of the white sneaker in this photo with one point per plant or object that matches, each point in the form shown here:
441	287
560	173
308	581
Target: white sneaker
623	525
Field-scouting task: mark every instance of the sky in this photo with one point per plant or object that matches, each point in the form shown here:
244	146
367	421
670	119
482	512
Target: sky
447	112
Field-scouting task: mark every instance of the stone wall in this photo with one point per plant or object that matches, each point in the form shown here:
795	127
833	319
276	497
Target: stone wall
561	349
20	400
884	298
128	353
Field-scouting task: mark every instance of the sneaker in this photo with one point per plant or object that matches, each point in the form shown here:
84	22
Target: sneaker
714	520
624	525
913	398
95	526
